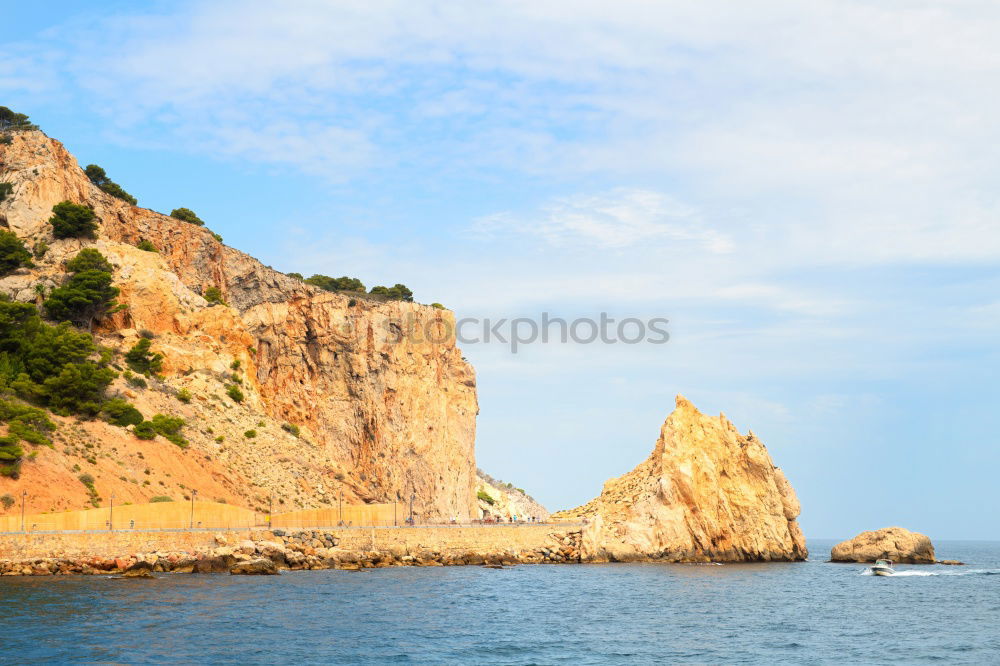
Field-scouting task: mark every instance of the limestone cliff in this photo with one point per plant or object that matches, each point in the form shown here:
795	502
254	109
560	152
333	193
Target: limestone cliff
706	493
383	414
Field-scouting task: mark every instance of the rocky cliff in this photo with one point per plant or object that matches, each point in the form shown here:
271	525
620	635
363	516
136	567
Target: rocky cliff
384	401
706	493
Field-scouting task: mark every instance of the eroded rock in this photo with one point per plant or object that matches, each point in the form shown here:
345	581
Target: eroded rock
893	543
706	493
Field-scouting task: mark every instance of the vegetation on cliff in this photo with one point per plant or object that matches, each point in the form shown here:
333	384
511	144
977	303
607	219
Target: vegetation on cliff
50	365
24	424
187	215
397	292
142	360
70	220
344	283
13	254
98	177
11	121
88	293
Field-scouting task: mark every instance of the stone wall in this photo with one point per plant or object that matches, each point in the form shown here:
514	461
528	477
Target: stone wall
213	551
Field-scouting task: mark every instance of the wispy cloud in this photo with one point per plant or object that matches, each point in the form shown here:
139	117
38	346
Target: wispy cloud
616	219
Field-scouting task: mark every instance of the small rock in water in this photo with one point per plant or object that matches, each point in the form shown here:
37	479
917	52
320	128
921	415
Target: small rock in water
258	567
951	562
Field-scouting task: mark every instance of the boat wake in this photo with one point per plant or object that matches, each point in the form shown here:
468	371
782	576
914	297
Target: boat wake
910	573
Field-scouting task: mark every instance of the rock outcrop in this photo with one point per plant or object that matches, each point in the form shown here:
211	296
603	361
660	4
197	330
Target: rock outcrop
706	493
383	400
502	501
893	543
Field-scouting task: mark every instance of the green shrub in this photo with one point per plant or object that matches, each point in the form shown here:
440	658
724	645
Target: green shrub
88	481
220	439
214	295
484	496
142	360
217	237
146	333
11	456
328	283
13	254
297	276
250	434
144	430
398	292
98	177
234	392
170	427
146	245
290	428
120	413
7	500
184	395
187	215
78	388
89	259
6	189
39	250
49	365
70	220
235	365
160	498
86	297
27	423
438	306
134	380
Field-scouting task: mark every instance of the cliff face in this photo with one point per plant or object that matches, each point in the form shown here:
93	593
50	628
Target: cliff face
706	493
385	409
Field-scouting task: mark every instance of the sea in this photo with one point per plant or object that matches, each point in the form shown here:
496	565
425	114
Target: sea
813	612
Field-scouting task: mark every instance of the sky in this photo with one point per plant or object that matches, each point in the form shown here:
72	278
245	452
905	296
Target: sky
806	191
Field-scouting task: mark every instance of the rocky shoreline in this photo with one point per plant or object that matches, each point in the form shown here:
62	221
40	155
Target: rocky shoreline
268	553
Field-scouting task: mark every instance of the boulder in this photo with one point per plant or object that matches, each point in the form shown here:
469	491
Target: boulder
141	569
257	567
214	564
892	543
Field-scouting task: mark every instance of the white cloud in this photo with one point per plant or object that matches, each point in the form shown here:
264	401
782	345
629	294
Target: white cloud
617	219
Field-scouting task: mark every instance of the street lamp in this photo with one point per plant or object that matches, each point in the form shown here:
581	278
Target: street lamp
413	496
24	496
270	510
111	518
194	493
341	505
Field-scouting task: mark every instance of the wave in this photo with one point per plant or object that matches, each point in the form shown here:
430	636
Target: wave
911	572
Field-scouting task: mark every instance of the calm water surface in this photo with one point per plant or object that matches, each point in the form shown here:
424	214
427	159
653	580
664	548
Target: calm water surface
807	613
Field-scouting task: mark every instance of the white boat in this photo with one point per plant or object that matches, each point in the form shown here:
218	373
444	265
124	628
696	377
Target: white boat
882	568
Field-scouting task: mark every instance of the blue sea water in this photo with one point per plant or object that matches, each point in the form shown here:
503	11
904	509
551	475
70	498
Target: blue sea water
805	613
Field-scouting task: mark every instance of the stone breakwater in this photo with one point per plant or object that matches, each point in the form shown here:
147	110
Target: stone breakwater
265	552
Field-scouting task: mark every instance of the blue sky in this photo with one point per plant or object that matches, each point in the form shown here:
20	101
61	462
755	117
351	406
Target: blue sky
806	190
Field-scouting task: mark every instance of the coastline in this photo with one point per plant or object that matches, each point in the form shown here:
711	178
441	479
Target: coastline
222	551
